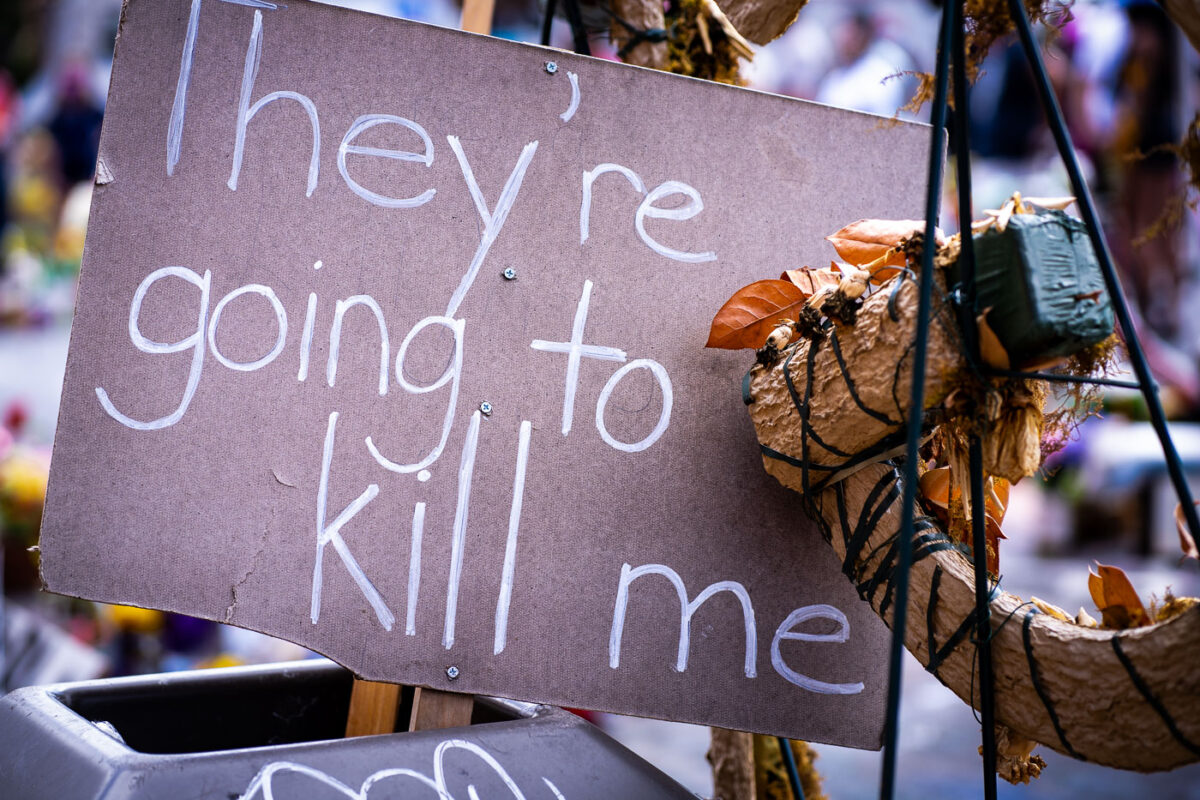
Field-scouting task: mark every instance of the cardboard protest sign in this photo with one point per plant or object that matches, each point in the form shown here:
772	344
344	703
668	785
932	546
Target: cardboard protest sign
390	342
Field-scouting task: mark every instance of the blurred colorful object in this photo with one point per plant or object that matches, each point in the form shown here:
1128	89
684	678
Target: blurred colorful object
23	475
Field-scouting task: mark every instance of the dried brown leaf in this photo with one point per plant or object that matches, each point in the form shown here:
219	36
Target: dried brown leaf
752	313
1120	607
811	280
990	349
1186	543
934	487
868	240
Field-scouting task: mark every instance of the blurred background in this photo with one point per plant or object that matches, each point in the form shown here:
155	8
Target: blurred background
1129	84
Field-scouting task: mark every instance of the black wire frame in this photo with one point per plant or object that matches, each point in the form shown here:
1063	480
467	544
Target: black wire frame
951	36
575	18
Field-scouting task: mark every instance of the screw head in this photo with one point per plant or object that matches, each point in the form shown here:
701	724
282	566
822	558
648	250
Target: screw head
485	408
509	274
551	67
452	672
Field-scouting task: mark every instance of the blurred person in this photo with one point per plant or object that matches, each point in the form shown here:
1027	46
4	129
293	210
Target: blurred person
1006	121
8	120
1146	173
75	126
794	63
866	66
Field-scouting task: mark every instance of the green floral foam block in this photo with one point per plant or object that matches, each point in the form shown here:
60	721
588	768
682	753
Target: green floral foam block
1042	283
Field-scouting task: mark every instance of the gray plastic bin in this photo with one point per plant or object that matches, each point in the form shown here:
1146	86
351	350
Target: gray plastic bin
275	732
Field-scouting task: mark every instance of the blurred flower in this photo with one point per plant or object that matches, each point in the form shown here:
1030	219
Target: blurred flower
134	619
15	417
221	660
23	477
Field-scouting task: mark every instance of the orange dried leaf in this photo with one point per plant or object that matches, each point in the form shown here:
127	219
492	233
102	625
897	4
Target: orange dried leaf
810	280
1186	543
860	253
935	487
1120	607
990	349
747	318
866	240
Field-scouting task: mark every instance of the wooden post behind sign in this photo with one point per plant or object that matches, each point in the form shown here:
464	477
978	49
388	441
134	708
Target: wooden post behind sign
373	705
477	16
433	709
373	708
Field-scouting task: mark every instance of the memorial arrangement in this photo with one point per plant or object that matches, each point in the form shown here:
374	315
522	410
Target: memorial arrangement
828	399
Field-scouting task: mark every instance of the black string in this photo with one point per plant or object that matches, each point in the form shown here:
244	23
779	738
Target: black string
1061	378
1034	677
1151	698
747	397
637	35
837	353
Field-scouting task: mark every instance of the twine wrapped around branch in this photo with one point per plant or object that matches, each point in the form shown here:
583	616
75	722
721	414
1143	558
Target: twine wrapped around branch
827	410
835	403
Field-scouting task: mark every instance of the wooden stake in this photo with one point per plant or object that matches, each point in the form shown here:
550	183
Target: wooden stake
373	708
732	759
433	710
477	15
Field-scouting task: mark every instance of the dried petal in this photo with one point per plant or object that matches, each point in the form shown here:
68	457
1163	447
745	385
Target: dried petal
1186	543
1006	212
854	283
780	337
1050	609
1053	203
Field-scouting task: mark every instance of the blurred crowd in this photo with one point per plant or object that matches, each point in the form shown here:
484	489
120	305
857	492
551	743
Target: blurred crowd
1129	84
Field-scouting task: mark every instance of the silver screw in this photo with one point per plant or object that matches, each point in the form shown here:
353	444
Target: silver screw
485	408
551	67
509	274
452	672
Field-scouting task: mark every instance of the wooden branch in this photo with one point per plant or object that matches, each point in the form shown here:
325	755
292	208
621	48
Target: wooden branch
642	15
1128	699
373	708
877	354
433	710
732	757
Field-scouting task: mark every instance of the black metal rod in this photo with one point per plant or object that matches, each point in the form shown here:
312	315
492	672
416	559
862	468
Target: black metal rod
789	763
1088	210
983	630
962	154
548	21
937	145
1054	376
578	31
966	262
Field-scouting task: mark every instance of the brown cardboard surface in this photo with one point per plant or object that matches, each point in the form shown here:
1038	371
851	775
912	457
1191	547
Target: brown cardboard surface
217	513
